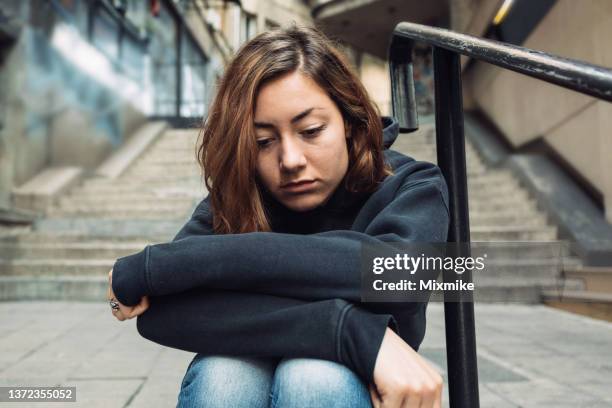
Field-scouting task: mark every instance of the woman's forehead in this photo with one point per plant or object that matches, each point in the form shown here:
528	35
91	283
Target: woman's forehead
289	94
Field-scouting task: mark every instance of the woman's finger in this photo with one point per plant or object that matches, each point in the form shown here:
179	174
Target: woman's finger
118	315
438	401
140	308
436	382
428	396
412	401
392	400
374	397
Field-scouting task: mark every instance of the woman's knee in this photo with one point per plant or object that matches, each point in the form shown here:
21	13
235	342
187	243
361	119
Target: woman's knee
226	381
305	382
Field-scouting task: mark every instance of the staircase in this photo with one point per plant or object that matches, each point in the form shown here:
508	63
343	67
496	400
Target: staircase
70	252
525	255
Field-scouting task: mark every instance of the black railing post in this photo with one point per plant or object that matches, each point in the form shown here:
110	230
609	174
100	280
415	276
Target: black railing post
459	313
402	85
576	75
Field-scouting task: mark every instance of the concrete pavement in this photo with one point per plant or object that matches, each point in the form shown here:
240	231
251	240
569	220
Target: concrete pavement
529	356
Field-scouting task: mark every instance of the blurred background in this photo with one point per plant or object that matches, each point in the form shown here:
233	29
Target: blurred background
100	102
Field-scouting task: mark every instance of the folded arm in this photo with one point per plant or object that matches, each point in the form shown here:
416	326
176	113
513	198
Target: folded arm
231	323
309	267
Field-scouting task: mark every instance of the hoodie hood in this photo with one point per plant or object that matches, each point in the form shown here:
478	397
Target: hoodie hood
390	130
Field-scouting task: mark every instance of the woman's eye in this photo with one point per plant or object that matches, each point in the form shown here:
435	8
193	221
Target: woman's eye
314	131
263	143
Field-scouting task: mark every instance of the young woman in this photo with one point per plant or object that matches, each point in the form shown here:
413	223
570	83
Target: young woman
263	282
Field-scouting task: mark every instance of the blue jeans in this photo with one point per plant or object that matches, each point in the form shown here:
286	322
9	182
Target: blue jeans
256	382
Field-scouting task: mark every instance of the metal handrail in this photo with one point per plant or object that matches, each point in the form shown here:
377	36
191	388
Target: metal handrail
579	76
447	46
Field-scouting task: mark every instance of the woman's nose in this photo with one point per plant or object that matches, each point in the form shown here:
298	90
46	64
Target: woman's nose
292	156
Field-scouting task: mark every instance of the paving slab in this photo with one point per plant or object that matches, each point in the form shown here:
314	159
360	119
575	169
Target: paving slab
528	356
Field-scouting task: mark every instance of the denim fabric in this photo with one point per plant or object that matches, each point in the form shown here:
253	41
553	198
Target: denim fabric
256	382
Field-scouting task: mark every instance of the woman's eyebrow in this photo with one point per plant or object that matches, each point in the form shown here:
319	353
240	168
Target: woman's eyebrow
296	118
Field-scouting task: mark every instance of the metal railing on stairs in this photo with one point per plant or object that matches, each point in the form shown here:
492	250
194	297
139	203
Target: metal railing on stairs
450	146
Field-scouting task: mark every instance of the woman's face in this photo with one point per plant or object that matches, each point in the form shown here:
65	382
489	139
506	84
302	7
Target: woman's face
301	138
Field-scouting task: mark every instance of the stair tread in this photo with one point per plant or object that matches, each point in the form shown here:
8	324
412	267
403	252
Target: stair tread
578	295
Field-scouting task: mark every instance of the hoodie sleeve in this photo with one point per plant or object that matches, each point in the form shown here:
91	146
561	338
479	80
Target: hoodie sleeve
208	321
308	267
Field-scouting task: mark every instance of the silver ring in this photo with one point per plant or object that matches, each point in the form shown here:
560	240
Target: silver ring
114	304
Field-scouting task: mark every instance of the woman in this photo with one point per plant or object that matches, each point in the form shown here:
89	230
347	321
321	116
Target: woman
263	282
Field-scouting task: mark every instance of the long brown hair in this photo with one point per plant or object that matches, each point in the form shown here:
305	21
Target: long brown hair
227	148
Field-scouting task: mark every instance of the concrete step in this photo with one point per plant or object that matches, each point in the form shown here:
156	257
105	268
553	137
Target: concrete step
533	220
168	144
484	191
492	177
148	165
167	159
172	178
146	195
70	202
177	137
142	166
124	214
188	145
93	288
10	231
511	291
141	184
425	154
130	187
525	269
39	237
56	267
595	278
521	250
493	188
513	233
516	205
578	296
69	250
171	151
161	172
596	305
180	205
497	193
418	141
61	287
499	198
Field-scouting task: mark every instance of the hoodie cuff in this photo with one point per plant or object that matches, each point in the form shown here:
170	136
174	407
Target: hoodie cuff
360	336
129	278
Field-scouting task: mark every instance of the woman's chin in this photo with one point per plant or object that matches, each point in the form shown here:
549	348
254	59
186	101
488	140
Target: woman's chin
302	203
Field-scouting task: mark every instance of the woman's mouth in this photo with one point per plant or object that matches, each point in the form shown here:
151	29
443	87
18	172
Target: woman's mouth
299	187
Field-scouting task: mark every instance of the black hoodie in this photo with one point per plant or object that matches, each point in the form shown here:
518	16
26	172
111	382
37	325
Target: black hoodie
296	291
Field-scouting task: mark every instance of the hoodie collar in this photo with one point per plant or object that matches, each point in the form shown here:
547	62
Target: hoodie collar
390	130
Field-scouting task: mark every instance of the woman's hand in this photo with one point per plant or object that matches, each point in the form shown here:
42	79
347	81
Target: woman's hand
126	312
402	378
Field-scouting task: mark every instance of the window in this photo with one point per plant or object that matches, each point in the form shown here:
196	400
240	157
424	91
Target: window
248	27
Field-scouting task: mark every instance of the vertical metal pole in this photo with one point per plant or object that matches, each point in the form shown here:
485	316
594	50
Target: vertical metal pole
459	313
402	84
